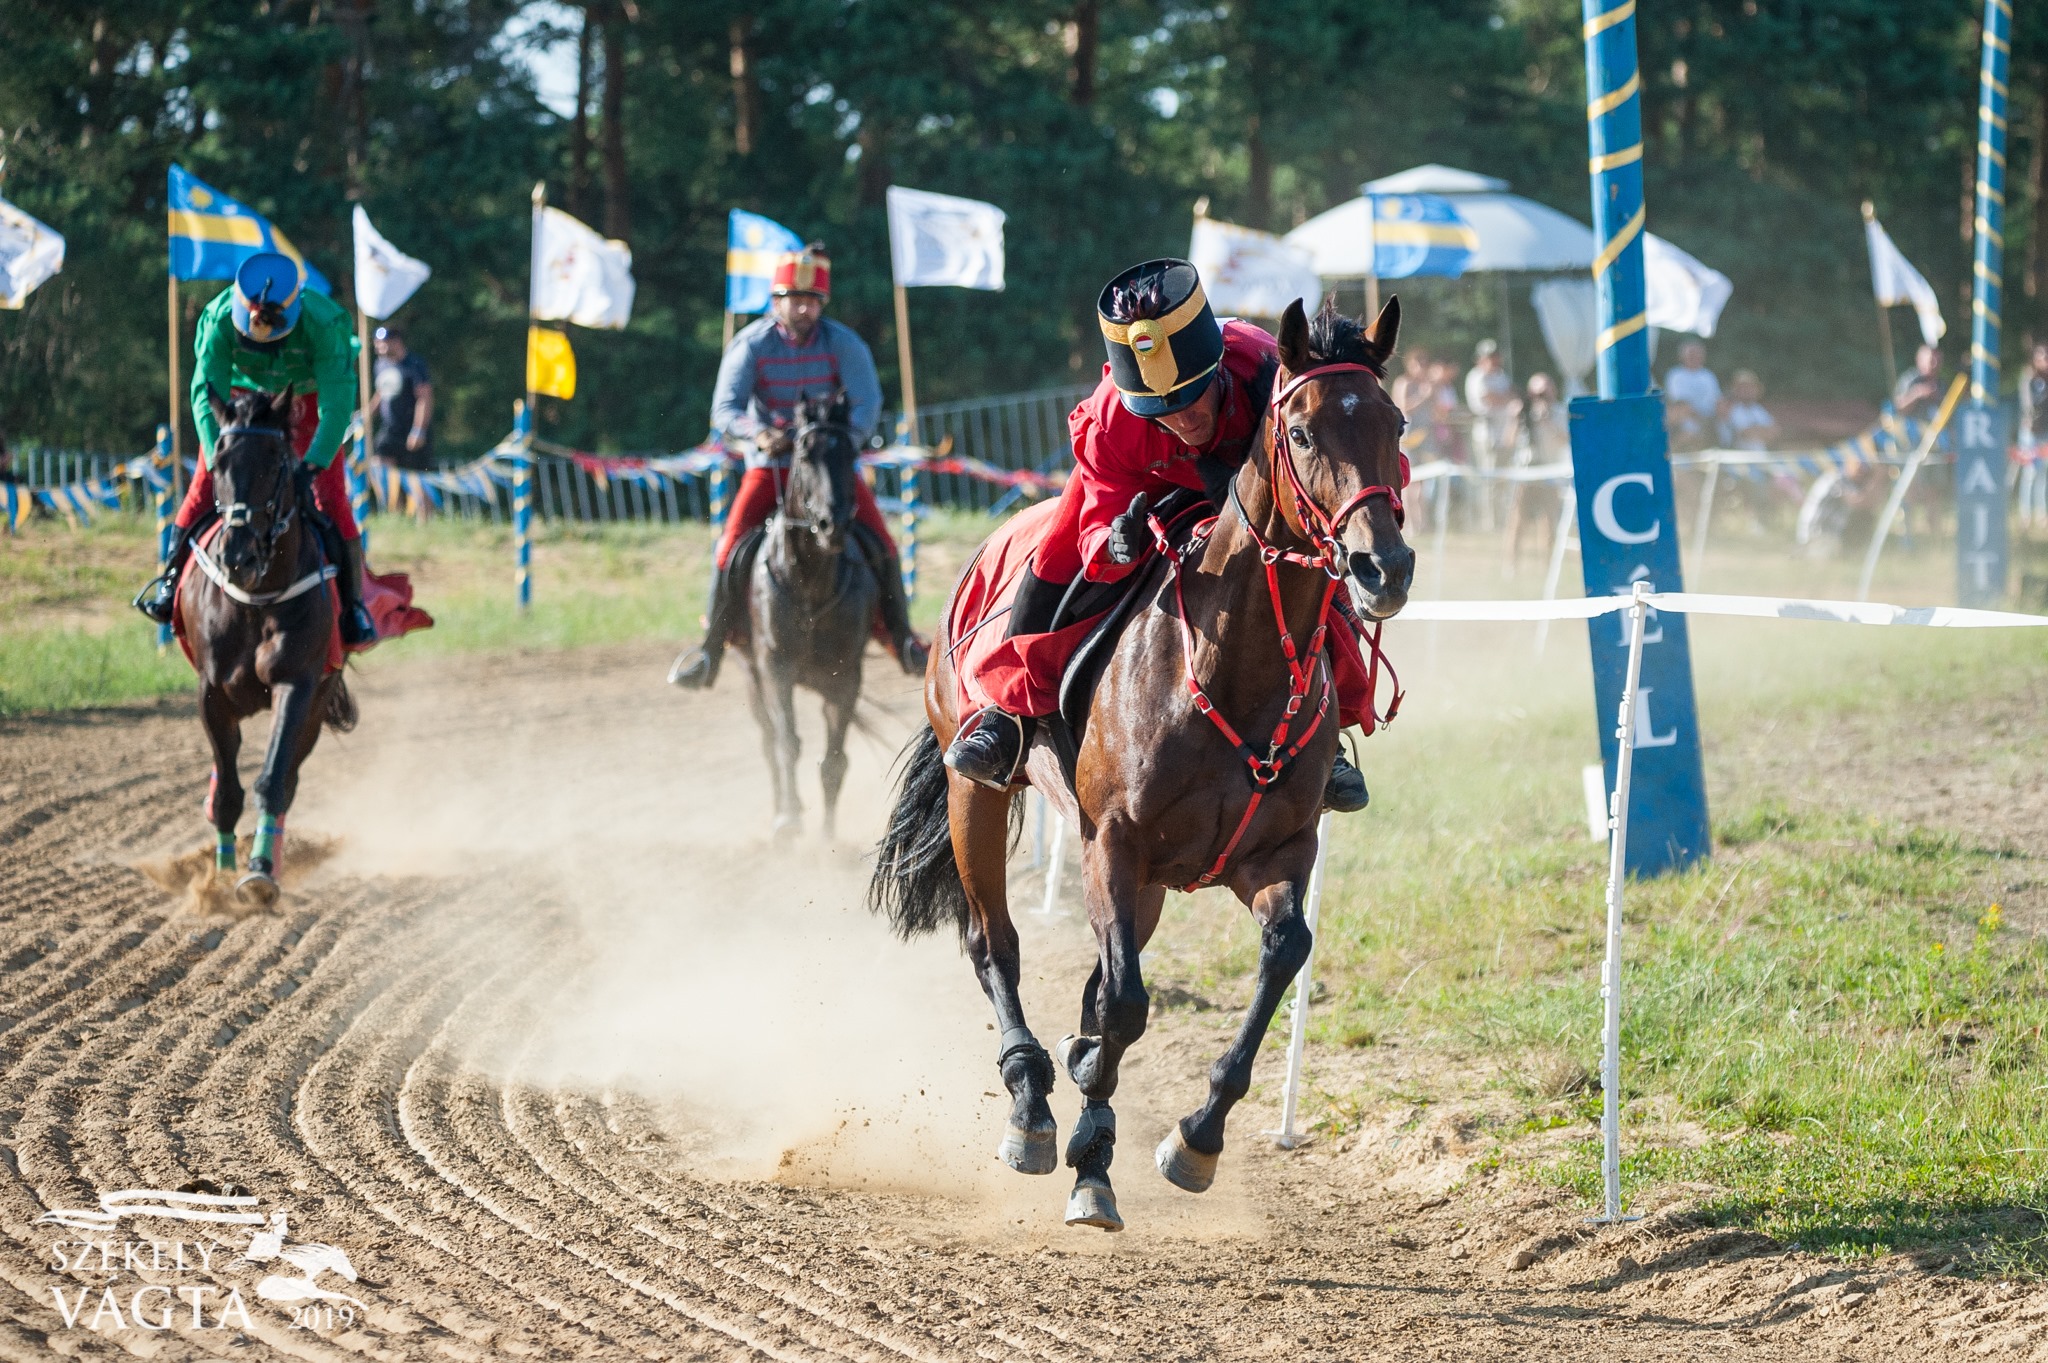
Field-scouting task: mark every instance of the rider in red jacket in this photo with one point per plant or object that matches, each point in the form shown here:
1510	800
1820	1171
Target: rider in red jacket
1179	404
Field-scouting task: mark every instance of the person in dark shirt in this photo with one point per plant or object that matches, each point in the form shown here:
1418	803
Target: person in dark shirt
404	402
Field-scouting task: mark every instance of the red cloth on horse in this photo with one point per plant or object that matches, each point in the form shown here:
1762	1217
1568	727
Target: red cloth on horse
387	596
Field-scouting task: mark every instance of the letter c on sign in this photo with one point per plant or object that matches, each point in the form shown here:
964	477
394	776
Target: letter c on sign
1603	511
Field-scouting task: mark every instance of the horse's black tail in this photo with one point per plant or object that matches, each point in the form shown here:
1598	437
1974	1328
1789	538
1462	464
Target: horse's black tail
917	882
341	707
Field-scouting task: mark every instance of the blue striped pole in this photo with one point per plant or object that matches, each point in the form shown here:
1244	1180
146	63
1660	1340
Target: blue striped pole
166	508
1989	267
721	493
522	502
358	470
1614	127
1982	546
913	507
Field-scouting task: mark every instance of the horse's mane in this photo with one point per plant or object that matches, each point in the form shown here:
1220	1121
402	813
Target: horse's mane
1334	338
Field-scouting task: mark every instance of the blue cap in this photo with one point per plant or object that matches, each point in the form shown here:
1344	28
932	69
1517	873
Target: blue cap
266	278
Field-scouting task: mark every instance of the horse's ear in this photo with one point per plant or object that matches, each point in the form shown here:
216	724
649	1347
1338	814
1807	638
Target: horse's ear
281	405
1385	329
223	415
1294	339
841	405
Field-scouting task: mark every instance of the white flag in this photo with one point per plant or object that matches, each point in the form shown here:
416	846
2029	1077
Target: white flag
29	254
1679	293
579	276
385	275
938	239
1252	273
1894	280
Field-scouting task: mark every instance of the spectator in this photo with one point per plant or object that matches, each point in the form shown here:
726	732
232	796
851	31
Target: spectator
1413	388
1445	418
7	473
2033	437
404	403
1746	425
1918	391
1540	436
1692	399
1490	395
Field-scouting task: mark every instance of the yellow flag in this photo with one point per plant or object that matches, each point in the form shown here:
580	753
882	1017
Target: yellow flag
550	364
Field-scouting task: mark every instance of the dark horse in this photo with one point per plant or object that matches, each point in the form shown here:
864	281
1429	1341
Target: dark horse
810	600
1160	790
259	616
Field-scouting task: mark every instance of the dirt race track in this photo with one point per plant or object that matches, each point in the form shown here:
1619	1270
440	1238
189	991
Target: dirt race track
572	1063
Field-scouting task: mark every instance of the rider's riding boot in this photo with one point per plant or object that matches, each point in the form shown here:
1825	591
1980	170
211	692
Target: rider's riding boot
358	629
160	598
893	606
697	668
1345	791
989	750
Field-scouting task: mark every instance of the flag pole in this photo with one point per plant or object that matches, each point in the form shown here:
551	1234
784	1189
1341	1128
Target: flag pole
725	340
908	424
525	420
177	455
1884	316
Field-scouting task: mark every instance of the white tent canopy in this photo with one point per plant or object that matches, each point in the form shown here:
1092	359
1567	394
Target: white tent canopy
1514	233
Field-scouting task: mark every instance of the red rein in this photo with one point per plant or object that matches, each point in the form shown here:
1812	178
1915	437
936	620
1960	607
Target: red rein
1323	530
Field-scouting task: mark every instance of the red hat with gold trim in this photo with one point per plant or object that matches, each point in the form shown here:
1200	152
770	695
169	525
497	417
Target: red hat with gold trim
805	271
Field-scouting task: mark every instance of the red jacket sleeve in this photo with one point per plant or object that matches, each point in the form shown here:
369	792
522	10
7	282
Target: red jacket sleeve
1111	466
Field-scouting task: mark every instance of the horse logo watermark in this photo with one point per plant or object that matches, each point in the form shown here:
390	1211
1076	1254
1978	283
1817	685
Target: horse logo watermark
150	1303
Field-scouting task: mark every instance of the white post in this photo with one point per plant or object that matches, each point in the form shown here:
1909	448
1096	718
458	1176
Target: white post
1286	1137
1617	873
1567	521
1706	512
1054	861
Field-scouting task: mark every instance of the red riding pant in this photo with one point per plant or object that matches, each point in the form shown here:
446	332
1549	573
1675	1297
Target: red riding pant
756	499
330	485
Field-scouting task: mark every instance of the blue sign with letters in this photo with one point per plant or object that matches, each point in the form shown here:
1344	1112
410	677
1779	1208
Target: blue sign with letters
1628	533
1981	547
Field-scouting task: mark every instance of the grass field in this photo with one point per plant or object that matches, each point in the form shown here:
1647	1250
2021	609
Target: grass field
1834	1025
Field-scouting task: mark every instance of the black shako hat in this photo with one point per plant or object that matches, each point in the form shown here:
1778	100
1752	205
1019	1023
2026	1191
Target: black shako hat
1164	363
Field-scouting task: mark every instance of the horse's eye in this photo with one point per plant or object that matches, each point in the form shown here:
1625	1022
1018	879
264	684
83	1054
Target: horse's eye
1299	436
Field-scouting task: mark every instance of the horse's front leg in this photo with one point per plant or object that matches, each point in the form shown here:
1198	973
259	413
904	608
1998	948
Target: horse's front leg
832	766
980	822
296	706
780	700
224	786
1114	1011
1272	886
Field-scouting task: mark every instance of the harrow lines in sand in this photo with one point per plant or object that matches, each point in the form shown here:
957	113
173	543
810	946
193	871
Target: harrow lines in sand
449	1114
591	1167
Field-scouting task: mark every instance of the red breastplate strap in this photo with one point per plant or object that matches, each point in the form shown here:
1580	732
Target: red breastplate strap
1304	667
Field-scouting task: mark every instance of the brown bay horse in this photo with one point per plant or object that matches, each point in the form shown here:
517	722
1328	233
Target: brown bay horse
1166	794
259	614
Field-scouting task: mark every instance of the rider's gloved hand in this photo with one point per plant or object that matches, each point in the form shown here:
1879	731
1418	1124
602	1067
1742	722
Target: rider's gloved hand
302	484
1128	533
774	442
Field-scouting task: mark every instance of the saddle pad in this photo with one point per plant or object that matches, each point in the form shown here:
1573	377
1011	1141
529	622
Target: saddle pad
1021	674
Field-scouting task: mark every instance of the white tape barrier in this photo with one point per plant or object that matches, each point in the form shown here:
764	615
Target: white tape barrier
1639	604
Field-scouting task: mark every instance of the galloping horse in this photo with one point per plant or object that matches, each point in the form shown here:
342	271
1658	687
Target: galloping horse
1228	642
259	618
810	600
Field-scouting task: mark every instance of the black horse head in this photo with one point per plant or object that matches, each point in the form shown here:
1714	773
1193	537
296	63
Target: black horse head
822	472
254	487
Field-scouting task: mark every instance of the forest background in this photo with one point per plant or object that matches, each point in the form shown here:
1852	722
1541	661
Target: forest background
1095	124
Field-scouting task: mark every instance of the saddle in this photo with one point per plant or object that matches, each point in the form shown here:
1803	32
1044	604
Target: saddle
1114	604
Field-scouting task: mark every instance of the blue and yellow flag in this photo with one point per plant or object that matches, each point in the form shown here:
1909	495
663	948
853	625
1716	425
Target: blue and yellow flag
1419	234
753	245
211	234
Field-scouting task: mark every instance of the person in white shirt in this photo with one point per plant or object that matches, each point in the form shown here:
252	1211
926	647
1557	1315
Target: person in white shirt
1692	399
1746	425
1490	394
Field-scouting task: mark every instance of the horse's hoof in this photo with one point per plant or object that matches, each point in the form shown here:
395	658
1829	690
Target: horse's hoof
1030	1151
256	890
1093	1204
1063	1054
787	827
1187	1169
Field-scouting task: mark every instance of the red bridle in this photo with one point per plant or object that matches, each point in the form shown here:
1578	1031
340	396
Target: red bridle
1322	527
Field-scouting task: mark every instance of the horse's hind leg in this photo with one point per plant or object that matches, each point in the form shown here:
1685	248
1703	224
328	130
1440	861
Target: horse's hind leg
224	790
295	728
1114	1011
1187	1157
980	820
